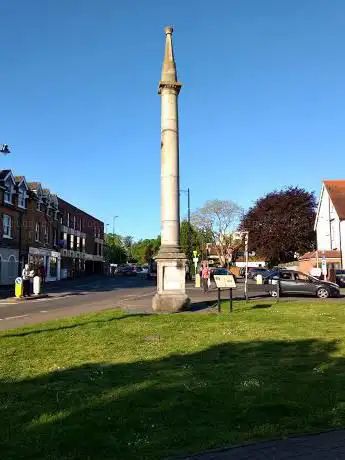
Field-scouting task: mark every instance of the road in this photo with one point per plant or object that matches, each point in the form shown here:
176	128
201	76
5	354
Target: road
72	298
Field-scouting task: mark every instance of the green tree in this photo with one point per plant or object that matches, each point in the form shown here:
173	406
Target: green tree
143	250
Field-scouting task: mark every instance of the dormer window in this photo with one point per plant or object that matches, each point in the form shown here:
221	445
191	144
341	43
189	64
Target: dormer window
22	199
8	195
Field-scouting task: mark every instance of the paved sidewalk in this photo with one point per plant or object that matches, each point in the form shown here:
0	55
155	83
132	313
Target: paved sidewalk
324	446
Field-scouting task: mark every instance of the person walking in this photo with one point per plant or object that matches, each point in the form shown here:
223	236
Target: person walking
42	274
26	275
205	276
331	276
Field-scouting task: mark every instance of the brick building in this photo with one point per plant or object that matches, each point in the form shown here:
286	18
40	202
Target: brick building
10	231
39	228
81	241
40	231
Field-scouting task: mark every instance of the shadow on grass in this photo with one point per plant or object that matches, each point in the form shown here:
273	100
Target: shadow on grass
70	326
229	393
258	306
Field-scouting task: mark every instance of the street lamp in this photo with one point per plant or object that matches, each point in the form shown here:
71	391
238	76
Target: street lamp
4	149
189	229
115	217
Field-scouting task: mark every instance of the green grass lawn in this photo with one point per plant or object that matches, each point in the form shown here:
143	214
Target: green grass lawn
113	386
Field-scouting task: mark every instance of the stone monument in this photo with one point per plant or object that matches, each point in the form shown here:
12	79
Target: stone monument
171	261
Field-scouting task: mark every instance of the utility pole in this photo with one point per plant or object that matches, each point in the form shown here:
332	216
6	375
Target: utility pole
189	229
246	237
189	255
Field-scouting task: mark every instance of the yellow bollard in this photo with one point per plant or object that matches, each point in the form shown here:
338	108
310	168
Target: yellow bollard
197	280
18	287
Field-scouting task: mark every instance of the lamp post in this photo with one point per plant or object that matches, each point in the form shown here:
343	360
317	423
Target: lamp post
115	217
4	149
245	233
189	229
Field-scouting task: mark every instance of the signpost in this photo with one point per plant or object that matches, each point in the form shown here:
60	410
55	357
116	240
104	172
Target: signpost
18	289
324	267
225	282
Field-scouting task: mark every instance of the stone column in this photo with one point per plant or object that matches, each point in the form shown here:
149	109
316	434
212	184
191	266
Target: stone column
171	293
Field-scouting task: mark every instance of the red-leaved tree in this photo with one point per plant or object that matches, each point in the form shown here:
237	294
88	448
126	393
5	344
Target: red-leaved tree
280	224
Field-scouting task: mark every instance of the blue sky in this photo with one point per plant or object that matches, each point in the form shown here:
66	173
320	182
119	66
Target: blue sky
262	104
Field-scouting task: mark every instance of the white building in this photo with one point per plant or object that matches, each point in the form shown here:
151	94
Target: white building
330	222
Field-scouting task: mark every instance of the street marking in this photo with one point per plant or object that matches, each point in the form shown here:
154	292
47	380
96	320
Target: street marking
15	317
44	311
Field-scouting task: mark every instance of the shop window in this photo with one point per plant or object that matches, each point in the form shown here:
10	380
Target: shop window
12	268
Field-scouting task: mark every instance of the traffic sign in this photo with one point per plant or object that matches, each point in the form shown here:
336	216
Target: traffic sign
195	253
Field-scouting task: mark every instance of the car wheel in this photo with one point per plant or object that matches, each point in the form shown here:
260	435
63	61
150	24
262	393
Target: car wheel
322	293
274	294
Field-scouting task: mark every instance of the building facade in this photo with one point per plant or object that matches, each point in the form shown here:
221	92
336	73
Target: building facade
11	209
81	242
40	229
329	228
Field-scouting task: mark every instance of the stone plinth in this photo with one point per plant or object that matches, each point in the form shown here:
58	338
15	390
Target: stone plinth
171	272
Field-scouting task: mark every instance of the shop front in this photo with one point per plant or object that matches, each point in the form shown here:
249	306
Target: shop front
50	260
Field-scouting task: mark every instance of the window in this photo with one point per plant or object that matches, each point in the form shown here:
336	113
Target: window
61	220
7	226
78	243
80	224
83	244
68	219
21	199
37	232
74	222
46	234
71	241
8	194
301	277
56	215
286	276
54	236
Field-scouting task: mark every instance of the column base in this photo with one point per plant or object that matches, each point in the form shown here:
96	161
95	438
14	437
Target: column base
170	302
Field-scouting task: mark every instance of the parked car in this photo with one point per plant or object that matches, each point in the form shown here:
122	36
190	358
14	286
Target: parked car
340	277
252	274
152	270
250	270
219	271
127	271
292	282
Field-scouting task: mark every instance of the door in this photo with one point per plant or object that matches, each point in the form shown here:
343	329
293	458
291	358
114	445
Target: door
304	284
287	283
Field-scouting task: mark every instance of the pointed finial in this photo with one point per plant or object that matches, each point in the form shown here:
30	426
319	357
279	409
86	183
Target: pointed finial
169	67
169	74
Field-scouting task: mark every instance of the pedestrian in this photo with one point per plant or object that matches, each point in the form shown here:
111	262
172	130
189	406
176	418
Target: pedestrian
42	274
205	276
26	281
331	276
